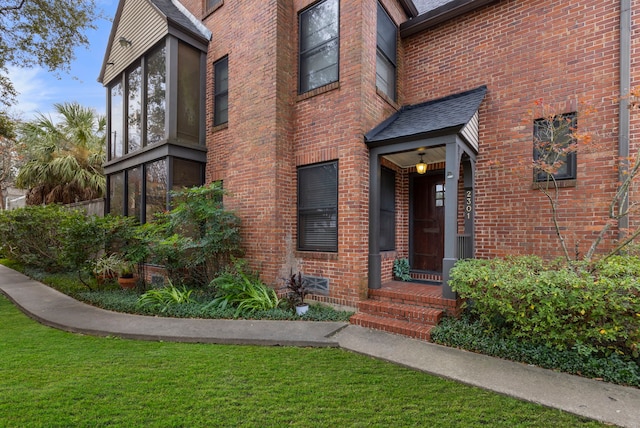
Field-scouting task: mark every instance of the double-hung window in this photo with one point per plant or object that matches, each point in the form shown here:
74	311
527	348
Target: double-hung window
318	207
221	91
319	45
554	147
386	54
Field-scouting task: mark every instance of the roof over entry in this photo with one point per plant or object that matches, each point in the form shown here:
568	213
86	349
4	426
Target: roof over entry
454	114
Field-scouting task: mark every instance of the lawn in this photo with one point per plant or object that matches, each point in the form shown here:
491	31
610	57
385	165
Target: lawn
56	379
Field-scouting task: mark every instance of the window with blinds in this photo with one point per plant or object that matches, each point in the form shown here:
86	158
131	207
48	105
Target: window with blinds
387	210
318	207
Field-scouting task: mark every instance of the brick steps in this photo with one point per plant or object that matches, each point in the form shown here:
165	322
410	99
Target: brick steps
405	328
409	309
410	313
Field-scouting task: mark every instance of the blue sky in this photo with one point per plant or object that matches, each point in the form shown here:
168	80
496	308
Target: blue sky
39	90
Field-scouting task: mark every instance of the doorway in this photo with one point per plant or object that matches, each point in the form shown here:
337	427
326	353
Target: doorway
427	193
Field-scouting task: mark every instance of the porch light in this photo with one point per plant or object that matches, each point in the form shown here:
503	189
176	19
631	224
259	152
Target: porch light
421	167
124	42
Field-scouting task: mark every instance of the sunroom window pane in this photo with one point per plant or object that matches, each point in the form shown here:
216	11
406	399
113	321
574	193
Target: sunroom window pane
156	180
134	192
188	93
134	117
186	174
156	95
116	136
116	194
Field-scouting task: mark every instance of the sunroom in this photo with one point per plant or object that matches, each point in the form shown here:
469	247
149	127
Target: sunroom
155	74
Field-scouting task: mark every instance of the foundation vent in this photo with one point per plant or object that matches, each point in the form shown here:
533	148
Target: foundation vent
317	285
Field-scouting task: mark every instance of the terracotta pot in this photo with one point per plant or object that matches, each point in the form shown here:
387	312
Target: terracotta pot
127	283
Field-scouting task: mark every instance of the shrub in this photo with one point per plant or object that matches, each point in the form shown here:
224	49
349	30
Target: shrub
34	235
243	291
197	238
556	305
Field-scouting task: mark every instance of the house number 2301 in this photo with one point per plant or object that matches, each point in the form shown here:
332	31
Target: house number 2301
468	204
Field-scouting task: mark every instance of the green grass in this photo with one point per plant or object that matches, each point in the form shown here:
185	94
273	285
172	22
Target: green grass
49	378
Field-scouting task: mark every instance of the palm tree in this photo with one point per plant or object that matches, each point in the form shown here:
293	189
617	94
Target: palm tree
64	159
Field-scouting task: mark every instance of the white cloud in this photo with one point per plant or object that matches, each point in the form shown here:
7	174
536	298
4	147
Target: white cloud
34	94
38	90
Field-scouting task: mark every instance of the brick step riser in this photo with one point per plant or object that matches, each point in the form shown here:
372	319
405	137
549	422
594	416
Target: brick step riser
394	326
418	315
420	301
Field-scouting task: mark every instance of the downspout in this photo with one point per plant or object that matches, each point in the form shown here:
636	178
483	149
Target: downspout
623	110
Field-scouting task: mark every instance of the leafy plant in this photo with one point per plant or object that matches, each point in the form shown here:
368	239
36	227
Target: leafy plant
243	291
556	305
162	298
32	235
297	288
197	238
401	269
108	266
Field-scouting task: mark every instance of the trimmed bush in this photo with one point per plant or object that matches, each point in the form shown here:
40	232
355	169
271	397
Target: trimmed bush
556	305
35	235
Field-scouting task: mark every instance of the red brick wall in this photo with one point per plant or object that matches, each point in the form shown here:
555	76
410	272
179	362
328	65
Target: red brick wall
272	130
252	154
561	52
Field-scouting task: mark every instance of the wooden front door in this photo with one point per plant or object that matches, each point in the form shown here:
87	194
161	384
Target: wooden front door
427	222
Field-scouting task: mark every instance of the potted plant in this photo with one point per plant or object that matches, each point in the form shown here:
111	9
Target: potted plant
401	269
126	278
297	291
107	267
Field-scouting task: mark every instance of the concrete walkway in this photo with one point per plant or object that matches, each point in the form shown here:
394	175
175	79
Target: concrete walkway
593	399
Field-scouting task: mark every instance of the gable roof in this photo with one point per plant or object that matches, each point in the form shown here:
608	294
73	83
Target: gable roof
177	14
449	114
160	17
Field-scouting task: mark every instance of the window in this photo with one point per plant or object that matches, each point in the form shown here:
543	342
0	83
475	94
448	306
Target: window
134	192
188	108
554	147
319	45
147	186
156	95
318	207
134	109
116	194
155	188
116	137
387	210
386	54
221	92
186	174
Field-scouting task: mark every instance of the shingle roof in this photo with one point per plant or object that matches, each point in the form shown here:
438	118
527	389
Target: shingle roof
420	120
177	14
427	5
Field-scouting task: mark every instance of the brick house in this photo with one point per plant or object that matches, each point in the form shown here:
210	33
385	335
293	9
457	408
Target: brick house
316	114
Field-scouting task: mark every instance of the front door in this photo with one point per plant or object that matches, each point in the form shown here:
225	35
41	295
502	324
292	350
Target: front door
427	222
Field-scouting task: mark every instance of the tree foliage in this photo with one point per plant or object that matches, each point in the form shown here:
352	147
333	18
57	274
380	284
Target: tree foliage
41	33
555	142
64	160
10	157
